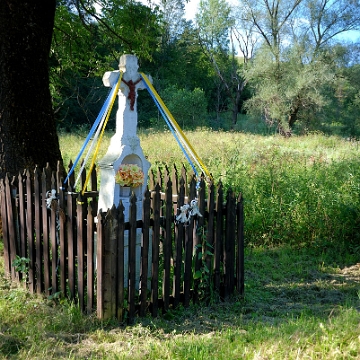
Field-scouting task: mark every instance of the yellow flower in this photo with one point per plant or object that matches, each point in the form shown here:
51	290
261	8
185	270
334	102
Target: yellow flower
129	175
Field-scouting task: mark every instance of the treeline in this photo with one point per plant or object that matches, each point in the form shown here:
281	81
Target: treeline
260	66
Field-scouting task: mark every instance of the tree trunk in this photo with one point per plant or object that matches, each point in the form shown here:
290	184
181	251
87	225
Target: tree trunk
27	126
286	131
294	112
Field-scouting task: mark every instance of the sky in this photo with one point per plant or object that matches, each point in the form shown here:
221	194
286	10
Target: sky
191	9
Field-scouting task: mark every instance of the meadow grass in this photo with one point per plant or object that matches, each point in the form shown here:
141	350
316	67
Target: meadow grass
300	191
296	306
302	272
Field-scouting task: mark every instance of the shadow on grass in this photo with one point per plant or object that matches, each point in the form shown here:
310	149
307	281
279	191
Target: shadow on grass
280	284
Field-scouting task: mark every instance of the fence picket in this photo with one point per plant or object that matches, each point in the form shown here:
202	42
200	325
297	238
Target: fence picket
10	201
240	246
90	259
218	240
155	251
145	253
209	254
4	217
71	242
198	238
229	249
100	266
60	243
120	296
45	234
30	231
179	243
132	258
54	246
63	248
109	264
38	234
167	244
81	241
22	218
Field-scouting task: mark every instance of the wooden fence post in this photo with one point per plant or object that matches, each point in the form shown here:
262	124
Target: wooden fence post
199	237
71	243
81	243
46	235
90	259
22	217
155	251
62	229
218	243
109	264
189	247
54	245
229	250
4	217
30	231
132	259
167	244
11	214
120	296
145	252
179	241
100	266
38	233
240	246
63	249
210	253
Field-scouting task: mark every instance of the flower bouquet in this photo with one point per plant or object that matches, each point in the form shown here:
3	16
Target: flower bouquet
129	175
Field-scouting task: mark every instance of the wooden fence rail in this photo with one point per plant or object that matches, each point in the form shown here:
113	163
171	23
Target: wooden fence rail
78	252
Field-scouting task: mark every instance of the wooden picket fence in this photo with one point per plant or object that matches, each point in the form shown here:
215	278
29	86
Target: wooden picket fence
72	250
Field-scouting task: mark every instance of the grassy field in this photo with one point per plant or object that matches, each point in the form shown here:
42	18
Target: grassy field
302	264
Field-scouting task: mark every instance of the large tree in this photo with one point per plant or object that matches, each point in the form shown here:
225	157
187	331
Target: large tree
88	41
27	126
215	21
296	61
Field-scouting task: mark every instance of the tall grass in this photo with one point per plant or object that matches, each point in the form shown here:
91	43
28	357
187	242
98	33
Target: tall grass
301	196
302	191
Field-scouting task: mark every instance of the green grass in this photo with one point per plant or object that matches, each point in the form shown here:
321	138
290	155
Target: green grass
302	191
297	304
302	272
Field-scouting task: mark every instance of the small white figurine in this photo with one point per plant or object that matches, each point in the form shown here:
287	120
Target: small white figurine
187	211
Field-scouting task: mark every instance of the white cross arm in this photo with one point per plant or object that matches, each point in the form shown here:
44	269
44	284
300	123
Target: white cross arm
110	78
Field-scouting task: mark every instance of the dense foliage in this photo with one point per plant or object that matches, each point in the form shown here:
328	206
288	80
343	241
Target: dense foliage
288	65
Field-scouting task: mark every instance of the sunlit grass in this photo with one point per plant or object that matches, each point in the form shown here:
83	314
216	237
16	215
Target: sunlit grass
296	306
300	191
301	264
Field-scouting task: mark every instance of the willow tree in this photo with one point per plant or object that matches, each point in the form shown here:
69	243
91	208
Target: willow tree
27	126
296	63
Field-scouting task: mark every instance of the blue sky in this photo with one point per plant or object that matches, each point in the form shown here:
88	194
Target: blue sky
192	6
